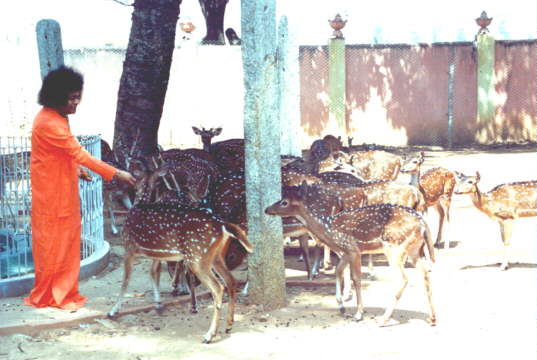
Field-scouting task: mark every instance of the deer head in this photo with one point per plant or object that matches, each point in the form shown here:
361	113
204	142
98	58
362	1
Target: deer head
413	163
207	135
467	183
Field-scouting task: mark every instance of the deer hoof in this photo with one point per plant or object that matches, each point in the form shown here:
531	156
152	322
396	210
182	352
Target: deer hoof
504	267
159	308
111	316
228	330
194	310
207	339
383	322
342	310
431	320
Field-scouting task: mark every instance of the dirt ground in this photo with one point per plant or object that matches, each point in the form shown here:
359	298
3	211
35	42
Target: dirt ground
482	312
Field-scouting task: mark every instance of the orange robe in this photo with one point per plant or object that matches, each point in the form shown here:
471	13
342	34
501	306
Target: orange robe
56	221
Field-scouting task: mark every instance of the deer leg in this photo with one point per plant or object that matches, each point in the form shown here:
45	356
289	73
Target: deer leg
316	260
356	274
441	216
180	285
370	268
229	281
396	260
155	282
113	226
244	291
304	245
191	284
128	264
203	271
327	262
343	261
422	267
506	228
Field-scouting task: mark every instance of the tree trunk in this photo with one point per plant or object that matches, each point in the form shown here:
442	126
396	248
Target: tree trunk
266	271
145	76
214	11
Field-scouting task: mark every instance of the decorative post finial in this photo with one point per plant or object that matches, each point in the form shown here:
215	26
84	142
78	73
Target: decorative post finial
337	24
483	21
187	27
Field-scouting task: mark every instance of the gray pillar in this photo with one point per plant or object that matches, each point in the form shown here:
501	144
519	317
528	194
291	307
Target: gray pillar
49	45
266	269
289	90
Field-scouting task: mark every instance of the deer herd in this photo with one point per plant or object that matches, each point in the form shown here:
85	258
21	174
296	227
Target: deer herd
189	210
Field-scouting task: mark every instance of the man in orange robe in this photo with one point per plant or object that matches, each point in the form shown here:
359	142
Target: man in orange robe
54	167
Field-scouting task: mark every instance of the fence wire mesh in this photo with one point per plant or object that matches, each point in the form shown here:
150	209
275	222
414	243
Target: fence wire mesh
15	206
421	94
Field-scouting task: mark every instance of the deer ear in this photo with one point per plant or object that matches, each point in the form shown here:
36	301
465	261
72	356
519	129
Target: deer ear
477	176
196	130
217	131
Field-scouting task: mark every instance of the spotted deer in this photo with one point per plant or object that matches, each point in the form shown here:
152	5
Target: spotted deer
228	154
228	201
320	149
504	203
114	190
382	192
173	233
400	231
375	164
436	185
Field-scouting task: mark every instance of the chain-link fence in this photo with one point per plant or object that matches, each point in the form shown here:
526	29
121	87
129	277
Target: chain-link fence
424	94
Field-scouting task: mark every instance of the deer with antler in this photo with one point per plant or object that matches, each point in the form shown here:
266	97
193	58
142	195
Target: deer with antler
173	233
504	203
400	231
436	185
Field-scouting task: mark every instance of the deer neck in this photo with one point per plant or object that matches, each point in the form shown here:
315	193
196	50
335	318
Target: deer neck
477	199
206	143
321	227
143	196
415	178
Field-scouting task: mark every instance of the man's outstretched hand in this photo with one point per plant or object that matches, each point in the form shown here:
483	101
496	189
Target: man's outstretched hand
126	177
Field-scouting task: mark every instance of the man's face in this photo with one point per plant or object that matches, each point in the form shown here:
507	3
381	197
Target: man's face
73	99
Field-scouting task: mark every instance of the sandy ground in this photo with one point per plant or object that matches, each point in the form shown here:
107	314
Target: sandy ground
482	312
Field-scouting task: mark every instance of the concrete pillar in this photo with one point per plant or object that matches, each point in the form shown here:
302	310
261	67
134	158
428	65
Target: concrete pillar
486	106
266	270
288	90
49	45
337	124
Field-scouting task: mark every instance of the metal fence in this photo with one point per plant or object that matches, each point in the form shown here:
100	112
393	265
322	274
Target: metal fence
423	94
15	207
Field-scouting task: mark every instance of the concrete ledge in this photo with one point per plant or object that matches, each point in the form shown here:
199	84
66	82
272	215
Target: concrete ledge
85	315
91	265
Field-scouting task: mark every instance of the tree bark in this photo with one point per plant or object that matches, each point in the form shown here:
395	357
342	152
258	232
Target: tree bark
146	71
214	11
266	271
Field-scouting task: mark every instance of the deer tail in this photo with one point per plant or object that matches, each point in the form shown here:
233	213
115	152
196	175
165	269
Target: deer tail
238	233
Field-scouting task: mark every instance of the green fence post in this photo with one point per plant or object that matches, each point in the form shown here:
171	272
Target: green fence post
49	45
485	83
336	78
